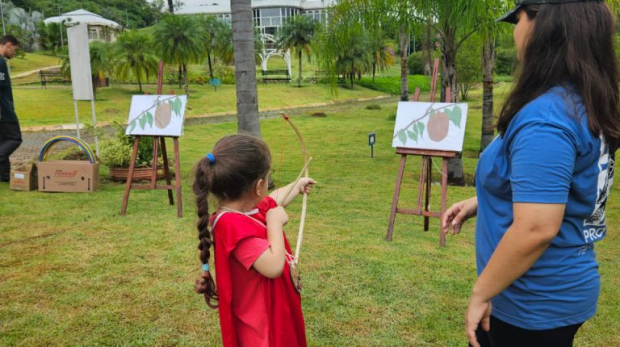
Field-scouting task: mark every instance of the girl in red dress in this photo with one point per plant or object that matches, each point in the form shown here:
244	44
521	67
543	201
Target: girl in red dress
258	303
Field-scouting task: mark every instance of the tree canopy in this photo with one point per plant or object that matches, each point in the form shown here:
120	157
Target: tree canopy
132	14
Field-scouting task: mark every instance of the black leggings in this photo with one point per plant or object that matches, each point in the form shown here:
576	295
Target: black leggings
503	334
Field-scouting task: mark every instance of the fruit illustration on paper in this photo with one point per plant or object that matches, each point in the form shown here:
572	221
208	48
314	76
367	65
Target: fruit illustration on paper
438	126
163	113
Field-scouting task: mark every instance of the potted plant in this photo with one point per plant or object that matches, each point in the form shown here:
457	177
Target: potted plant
115	152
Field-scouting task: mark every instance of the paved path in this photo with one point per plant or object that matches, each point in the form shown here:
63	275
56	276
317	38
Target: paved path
35	71
35	137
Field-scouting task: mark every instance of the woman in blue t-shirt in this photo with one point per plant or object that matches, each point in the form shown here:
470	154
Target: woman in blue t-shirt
542	184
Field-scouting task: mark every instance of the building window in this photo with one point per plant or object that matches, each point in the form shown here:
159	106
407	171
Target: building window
93	34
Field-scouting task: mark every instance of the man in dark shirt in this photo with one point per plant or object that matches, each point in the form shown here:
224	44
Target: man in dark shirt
10	133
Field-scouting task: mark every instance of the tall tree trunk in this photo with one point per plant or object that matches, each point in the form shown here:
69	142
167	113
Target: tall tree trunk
429	50
448	79
245	67
180	75
404	78
488	62
170	6
210	64
139	83
374	68
299	80
185	79
448	59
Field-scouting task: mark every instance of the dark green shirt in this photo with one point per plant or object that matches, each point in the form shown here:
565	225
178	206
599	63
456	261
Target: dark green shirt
7	110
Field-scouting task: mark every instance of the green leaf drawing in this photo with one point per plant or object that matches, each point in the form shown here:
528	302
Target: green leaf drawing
413	135
420	126
142	121
132	126
175	105
402	136
149	119
432	113
455	116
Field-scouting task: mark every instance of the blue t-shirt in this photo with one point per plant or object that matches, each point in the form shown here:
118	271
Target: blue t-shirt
547	155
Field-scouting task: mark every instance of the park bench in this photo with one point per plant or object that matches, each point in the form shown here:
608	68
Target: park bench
321	77
275	76
50	76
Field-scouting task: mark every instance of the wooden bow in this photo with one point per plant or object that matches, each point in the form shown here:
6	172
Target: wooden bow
304	205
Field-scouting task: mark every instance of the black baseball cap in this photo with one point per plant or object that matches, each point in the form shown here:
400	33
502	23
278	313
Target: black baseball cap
511	16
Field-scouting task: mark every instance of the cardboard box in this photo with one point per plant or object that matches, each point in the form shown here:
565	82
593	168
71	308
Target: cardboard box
68	176
24	177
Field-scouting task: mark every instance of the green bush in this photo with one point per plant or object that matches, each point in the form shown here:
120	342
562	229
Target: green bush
116	151
391	84
505	61
415	63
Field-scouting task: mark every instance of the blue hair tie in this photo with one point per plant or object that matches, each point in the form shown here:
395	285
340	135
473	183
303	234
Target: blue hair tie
205	267
211	158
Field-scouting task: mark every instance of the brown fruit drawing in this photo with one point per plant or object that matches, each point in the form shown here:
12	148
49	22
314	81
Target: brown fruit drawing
438	126
163	114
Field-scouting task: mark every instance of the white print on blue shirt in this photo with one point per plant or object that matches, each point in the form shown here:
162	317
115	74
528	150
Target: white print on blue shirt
2	76
594	226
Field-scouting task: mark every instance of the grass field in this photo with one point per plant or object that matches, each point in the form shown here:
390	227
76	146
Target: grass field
36	106
75	273
32	61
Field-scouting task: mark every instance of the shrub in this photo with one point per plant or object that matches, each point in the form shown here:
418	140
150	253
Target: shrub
391	84
415	63
505	61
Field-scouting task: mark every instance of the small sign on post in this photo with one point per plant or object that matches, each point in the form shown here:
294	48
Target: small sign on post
372	139
215	82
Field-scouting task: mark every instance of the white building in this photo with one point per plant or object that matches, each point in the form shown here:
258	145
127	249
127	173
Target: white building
268	14
99	28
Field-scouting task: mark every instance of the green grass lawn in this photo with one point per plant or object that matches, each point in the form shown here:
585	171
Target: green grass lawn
74	272
36	106
32	61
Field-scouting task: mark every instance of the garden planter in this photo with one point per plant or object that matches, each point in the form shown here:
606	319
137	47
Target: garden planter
139	174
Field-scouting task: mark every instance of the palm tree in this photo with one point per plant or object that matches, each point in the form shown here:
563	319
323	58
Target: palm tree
135	56
355	58
212	27
179	40
100	62
297	34
382	54
245	67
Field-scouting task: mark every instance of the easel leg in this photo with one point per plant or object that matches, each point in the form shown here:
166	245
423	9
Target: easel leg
132	165
421	186
155	160
429	163
177	177
399	180
444	198
164	156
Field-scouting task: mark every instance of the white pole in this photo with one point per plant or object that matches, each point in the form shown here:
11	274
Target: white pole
77	122
62	41
92	103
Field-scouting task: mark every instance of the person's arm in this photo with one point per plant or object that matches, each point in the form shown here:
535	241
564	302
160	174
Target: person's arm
304	185
533	229
271	263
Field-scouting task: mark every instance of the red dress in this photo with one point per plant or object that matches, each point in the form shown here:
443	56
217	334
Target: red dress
255	311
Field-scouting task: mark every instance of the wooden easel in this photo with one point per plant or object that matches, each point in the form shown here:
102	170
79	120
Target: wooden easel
424	186
157	140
